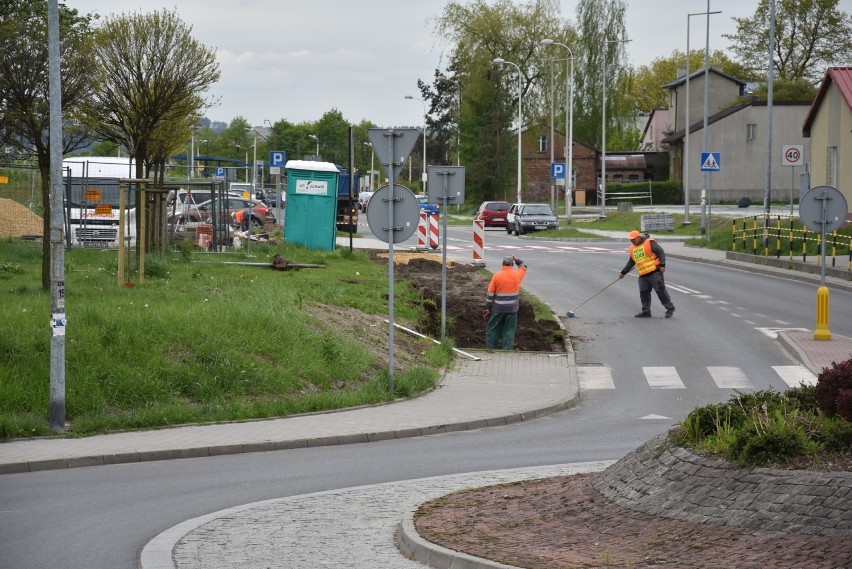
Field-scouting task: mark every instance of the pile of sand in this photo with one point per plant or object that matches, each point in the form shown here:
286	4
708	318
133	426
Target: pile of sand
17	221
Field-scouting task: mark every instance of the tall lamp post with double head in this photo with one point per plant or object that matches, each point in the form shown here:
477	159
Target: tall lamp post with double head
423	175
569	126
501	61
685	158
315	137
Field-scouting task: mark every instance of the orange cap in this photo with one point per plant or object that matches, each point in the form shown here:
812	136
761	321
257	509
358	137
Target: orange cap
634	234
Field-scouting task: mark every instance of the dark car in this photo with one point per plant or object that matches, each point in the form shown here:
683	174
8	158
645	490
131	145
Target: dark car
526	217
493	214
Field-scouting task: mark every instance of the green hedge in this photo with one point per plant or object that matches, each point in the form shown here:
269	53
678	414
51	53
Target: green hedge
664	192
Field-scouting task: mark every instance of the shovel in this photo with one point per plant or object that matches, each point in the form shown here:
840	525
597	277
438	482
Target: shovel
571	312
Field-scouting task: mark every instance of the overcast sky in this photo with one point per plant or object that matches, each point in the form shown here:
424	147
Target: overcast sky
297	59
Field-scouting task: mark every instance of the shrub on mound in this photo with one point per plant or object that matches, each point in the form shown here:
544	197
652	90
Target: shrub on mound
834	390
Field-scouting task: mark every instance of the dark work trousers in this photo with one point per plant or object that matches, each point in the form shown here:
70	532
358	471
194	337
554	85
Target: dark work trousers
649	282
501	325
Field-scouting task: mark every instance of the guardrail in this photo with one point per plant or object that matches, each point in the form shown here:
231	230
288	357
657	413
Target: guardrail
774	235
628	196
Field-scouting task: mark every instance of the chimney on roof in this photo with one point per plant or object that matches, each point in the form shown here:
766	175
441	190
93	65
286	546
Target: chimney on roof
681	71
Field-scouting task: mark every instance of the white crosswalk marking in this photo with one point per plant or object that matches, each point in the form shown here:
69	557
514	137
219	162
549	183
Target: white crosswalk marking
595	377
794	376
666	377
663	378
729	377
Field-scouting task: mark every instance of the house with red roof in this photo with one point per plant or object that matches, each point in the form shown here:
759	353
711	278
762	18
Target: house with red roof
828	125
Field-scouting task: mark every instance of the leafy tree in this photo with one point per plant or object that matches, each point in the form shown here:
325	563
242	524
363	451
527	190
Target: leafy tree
647	90
479	32
24	88
333	133
810	35
600	25
151	75
783	90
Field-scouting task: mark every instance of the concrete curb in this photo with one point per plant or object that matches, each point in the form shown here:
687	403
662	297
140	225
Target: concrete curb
363	437
797	352
432	555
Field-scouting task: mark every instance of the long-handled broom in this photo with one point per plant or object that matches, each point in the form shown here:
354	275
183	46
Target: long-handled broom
571	312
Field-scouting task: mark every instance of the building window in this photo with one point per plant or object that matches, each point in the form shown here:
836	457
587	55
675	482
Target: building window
751	131
542	144
831	166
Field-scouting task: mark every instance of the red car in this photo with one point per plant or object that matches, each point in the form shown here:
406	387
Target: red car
493	213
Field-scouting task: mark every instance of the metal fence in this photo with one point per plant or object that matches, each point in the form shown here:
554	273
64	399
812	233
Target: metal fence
784	235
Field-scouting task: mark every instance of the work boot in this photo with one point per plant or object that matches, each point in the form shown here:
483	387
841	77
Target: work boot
669	312
643	315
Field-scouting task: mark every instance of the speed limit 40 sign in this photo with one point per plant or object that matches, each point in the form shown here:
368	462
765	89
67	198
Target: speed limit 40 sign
793	155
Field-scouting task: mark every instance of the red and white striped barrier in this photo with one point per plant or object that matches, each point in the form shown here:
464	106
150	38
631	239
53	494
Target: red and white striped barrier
434	232
421	231
479	242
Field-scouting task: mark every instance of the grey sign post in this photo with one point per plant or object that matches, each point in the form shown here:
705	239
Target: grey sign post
823	209
392	146
449	190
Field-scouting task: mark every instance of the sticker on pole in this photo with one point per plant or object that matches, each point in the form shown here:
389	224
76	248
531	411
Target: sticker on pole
793	155
710	161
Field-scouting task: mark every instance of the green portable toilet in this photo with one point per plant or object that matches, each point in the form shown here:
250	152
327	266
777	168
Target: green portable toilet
311	214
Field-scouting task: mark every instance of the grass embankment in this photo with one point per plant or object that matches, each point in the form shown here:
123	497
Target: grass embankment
199	341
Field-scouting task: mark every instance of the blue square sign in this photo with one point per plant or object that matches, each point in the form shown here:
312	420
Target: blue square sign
711	161
277	158
557	169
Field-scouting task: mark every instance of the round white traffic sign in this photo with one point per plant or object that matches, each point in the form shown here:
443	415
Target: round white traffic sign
793	155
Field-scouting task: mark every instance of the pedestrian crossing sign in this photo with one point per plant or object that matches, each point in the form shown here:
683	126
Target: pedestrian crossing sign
710	161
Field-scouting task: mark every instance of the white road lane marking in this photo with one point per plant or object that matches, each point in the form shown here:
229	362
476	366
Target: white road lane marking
727	377
663	378
794	376
595	377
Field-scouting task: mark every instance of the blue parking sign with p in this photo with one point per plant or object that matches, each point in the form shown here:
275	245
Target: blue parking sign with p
277	158
557	169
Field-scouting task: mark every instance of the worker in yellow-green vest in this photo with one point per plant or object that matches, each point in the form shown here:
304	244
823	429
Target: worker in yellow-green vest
650	261
502	303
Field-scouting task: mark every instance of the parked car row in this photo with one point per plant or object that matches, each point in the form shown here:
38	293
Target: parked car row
203	212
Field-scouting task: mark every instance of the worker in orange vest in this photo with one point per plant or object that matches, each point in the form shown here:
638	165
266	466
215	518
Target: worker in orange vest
650	261
502	303
242	218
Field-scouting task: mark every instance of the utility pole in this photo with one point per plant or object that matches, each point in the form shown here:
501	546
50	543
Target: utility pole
58	319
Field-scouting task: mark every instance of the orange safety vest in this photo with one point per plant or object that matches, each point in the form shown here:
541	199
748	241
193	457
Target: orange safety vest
646	261
504	290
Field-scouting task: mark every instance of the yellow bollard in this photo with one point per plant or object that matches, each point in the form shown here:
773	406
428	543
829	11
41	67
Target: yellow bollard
822	332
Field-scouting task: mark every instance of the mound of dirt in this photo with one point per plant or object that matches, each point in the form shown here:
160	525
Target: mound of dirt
18	221
466	290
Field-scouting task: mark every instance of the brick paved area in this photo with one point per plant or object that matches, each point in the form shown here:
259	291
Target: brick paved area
565	522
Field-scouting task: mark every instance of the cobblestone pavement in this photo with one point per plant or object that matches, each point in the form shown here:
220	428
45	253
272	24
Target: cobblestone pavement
343	528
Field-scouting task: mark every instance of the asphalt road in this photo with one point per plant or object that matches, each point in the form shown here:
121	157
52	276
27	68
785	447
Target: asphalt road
101	517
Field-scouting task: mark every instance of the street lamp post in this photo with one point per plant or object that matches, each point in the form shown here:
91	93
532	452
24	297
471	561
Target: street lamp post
501	61
317	139
569	128
423	175
687	123
372	171
458	120
244	161
603	128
